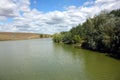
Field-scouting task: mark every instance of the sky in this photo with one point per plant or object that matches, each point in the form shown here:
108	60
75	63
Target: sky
49	16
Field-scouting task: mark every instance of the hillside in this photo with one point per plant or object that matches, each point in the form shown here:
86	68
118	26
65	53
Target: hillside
20	36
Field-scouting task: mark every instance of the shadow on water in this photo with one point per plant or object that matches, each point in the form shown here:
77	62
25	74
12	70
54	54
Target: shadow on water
41	59
69	50
96	66
116	57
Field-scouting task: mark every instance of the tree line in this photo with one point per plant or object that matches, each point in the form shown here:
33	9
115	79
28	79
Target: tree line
100	33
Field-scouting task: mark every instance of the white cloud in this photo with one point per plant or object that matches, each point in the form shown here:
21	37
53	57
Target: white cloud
107	4
88	3
50	22
105	1
24	5
7	9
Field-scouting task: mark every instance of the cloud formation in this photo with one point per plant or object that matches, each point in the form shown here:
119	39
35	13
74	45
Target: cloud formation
26	19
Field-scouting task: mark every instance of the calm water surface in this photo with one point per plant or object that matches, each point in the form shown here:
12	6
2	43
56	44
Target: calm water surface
41	59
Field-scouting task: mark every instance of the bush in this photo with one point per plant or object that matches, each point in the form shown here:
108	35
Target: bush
57	38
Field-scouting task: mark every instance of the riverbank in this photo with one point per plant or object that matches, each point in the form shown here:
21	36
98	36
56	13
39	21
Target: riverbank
100	33
4	36
108	53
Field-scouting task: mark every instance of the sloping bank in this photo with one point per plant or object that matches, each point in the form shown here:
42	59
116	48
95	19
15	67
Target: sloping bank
21	36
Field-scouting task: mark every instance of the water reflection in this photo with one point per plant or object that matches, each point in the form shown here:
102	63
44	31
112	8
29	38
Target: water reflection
95	65
41	59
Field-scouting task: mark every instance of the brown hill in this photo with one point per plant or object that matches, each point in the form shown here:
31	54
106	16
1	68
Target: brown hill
21	36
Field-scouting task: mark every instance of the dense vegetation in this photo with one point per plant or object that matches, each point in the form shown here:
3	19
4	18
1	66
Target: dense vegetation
101	33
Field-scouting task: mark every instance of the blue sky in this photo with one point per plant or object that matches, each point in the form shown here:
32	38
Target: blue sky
51	5
49	16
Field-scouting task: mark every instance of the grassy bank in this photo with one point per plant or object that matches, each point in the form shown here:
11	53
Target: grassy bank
20	36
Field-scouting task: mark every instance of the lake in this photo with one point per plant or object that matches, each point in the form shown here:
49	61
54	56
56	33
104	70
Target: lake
41	59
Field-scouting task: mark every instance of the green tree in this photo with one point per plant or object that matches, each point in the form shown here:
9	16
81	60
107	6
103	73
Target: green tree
102	33
57	38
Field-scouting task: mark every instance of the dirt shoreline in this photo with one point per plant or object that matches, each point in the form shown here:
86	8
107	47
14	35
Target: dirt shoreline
5	36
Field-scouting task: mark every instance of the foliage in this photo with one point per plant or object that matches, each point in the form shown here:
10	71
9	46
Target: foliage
57	38
102	33
77	39
67	38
